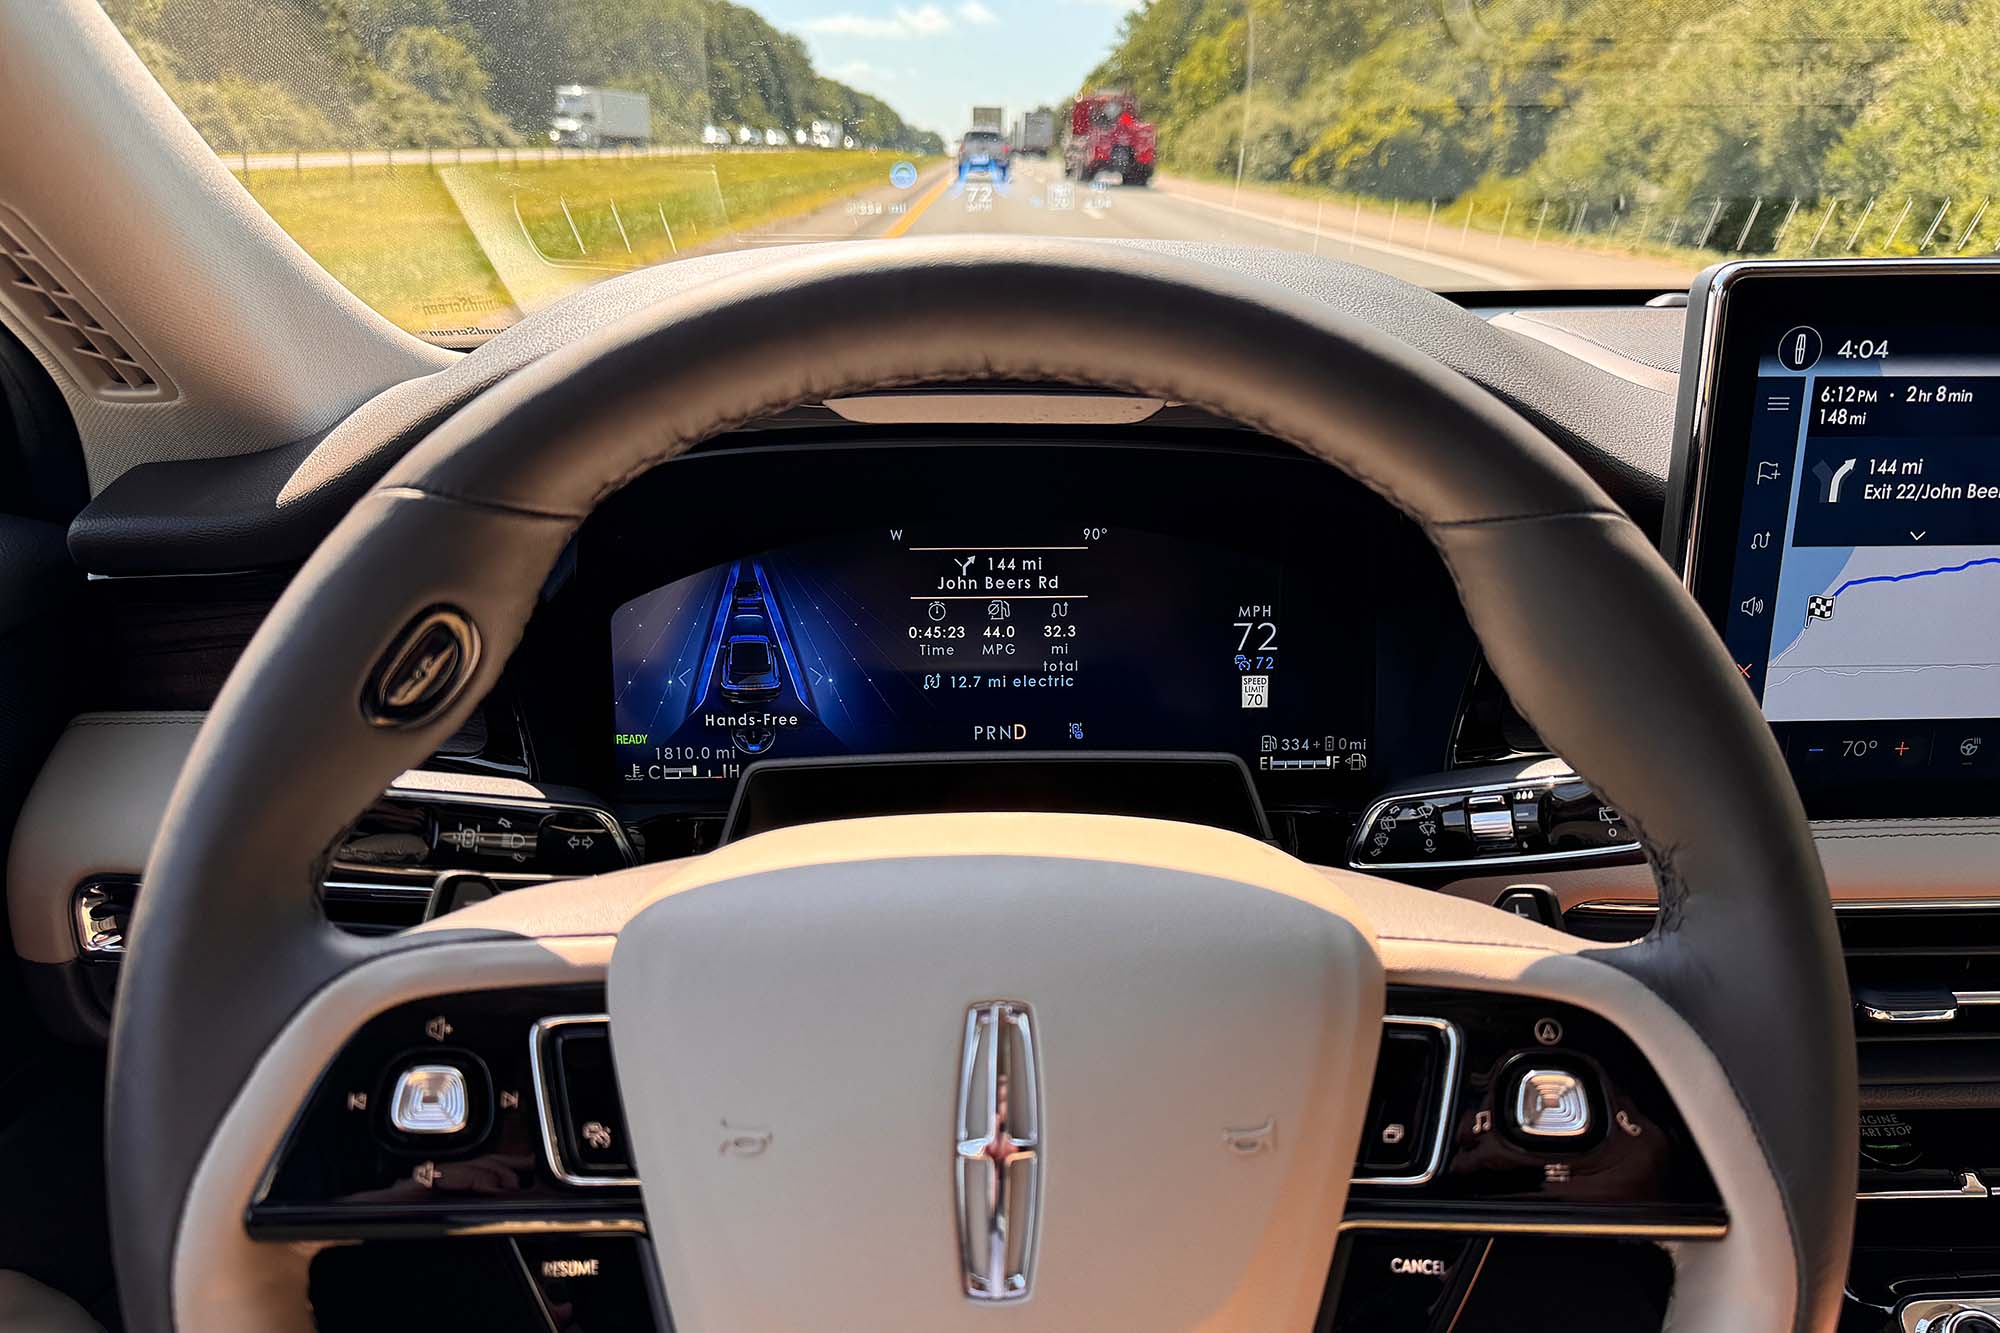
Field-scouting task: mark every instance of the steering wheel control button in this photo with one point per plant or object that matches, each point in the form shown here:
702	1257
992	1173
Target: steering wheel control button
1415	1081
1551	1104
583	1119
1402	1280
590	1282
430	1099
423	670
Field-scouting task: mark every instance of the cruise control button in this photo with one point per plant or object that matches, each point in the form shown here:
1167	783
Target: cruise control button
430	1099
592	1119
1551	1104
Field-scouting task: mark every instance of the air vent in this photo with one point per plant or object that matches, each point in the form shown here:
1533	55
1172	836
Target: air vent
72	325
1925	980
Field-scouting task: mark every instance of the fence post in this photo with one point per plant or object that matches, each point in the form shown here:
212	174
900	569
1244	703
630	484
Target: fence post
1755	209
1714	216
1785	227
1923	244
1971	226
1901	218
1861	222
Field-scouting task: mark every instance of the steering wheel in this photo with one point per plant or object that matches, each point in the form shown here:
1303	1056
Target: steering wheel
815	983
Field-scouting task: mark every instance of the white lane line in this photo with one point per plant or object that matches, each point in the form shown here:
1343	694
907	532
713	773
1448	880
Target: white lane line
1493	276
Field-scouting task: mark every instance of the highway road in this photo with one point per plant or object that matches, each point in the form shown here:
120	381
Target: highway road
1038	201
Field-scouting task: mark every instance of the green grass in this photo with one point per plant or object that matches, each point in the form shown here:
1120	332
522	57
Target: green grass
397	241
699	198
394	239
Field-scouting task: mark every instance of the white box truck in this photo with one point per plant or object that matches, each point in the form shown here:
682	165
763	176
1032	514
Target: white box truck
600	118
1035	133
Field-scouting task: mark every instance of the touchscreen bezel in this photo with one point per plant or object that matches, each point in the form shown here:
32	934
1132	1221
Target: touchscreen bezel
1714	408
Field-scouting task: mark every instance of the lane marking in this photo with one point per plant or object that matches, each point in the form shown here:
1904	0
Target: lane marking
930	196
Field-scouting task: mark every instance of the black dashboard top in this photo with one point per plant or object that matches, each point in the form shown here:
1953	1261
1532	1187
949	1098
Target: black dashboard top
271	508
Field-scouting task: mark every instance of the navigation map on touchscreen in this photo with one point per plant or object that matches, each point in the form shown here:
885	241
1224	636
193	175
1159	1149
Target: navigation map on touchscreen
1887	595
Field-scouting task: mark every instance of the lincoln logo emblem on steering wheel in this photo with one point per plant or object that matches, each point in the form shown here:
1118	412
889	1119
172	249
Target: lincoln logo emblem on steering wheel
997	1157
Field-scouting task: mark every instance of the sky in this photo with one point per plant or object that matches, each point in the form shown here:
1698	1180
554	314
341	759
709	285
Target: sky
934	60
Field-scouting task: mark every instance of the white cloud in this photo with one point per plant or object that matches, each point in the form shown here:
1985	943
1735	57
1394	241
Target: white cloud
924	21
974	12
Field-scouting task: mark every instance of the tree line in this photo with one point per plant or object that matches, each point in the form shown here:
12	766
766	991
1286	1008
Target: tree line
284	74
1750	124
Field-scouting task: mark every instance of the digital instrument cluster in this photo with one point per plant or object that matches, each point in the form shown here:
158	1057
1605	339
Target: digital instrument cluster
1847	539
996	636
1195	593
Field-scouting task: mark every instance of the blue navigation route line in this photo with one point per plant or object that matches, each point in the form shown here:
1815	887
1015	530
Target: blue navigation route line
1915	574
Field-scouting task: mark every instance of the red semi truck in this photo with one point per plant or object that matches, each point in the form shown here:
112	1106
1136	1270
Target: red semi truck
1106	134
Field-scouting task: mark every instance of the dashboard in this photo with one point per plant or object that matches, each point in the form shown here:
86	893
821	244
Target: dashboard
1184	593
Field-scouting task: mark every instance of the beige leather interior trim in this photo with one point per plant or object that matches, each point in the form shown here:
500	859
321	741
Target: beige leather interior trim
93	810
1866	861
224	1282
26	1306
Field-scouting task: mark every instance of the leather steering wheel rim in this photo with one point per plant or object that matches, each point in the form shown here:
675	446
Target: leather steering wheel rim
1596	640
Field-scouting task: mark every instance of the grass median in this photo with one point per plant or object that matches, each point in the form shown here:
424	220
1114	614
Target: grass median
396	238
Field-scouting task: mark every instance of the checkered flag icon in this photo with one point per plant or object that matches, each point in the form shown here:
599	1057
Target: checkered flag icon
1819	608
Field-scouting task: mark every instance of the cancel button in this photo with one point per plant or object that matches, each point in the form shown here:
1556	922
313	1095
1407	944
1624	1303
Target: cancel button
1394	1279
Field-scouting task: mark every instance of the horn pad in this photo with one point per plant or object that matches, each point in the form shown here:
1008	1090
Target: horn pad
809	1056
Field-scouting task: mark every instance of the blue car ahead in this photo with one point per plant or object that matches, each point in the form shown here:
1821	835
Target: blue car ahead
987	151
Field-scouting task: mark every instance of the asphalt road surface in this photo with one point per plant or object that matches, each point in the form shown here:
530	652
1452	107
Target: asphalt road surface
1038	201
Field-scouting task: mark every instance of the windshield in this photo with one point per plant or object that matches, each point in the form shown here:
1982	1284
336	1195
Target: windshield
458	163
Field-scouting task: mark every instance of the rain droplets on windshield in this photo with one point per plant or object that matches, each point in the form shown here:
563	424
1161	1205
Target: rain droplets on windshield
457	163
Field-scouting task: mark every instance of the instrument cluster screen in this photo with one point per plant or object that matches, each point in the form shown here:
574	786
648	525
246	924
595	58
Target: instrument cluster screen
1036	637
1860	457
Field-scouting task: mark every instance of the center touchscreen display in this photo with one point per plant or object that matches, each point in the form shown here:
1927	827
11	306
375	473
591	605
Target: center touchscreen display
990	639
1850	547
